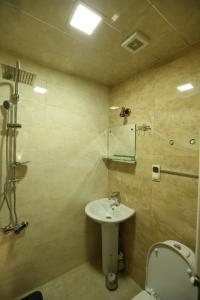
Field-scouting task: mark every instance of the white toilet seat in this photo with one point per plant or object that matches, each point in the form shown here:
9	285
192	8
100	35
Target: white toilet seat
143	296
167	265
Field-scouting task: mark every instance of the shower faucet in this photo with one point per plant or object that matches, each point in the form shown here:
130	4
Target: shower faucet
16	228
116	197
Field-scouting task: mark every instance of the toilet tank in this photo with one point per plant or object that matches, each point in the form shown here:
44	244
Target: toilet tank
169	267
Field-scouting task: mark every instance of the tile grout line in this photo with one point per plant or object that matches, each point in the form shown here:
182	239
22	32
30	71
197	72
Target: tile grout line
24	12
168	22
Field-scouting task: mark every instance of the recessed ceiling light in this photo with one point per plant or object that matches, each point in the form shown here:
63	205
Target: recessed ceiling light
85	19
185	87
113	107
40	90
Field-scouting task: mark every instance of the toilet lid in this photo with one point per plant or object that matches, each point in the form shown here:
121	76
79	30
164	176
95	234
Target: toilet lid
168	267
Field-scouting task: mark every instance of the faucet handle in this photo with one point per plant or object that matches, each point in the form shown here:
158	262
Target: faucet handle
116	197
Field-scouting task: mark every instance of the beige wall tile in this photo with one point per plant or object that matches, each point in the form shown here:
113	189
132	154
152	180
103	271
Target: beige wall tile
166	209
63	135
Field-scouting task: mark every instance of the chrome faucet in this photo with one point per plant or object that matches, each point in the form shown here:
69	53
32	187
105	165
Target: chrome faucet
116	197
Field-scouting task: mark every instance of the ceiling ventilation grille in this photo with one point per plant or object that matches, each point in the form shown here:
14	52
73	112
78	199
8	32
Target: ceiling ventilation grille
136	42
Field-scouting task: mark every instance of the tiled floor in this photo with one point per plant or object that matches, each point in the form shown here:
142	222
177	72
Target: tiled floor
86	282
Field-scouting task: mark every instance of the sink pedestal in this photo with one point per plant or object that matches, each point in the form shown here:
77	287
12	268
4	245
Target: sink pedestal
109	215
110	239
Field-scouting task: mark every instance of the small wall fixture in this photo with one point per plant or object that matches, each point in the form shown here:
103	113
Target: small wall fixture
171	142
144	128
125	112
192	141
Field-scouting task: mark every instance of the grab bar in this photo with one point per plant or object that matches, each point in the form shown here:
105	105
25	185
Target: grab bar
179	173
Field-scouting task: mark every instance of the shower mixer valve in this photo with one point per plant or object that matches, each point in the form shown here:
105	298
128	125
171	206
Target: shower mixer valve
16	228
14	125
19	227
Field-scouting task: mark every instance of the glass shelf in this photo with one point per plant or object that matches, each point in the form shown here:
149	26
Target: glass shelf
121	158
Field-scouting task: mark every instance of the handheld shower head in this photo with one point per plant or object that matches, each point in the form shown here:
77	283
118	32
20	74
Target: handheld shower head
6	104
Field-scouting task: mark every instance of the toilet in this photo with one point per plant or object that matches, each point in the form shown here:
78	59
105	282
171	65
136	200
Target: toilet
170	267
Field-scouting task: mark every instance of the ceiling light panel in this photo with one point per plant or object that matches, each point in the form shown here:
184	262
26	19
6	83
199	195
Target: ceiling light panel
85	19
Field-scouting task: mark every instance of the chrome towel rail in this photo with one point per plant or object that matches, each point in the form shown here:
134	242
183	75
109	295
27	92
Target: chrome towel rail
178	173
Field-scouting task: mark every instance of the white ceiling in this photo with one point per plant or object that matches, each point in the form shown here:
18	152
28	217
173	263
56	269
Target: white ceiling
39	30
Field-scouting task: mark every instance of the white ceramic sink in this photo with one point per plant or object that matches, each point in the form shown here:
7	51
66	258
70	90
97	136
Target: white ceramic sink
109	215
105	211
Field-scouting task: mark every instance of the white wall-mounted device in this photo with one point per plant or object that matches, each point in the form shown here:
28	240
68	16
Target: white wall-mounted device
156	172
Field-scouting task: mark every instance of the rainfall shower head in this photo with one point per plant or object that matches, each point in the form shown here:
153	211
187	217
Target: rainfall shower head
11	73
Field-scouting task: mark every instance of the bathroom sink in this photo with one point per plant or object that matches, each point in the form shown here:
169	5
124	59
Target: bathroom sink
105	211
109	215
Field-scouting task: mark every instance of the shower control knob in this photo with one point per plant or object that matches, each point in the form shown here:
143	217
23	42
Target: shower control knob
19	227
195	281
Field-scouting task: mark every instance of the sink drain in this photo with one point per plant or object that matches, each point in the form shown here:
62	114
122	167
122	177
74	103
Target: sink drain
108	217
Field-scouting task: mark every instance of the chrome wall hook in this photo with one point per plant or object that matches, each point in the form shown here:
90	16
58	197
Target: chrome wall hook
144	128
